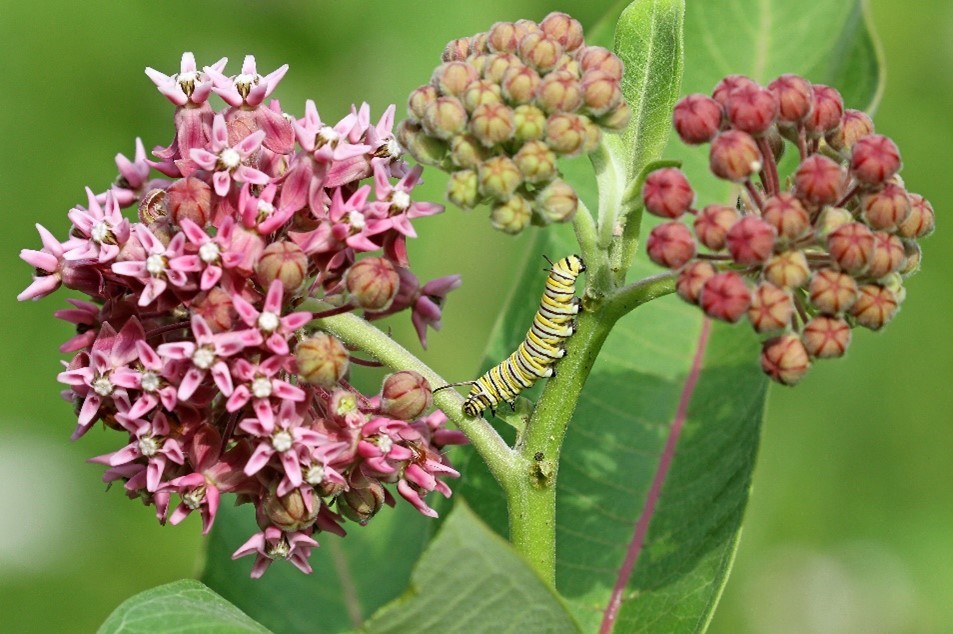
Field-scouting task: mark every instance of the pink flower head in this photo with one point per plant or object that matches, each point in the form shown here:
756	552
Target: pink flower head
133	175
214	253
273	328
427	307
287	437
156	270
188	86
326	143
273	543
48	263
260	384
150	443
248	88
98	232
394	208
259	212
152	381
228	163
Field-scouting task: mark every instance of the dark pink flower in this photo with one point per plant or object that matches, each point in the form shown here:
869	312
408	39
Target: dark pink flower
273	543
228	163
98	232
156	270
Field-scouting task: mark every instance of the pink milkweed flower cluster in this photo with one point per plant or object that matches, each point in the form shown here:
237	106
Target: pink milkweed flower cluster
194	337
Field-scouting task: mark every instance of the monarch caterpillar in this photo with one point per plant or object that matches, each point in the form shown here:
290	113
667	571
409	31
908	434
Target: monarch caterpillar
541	348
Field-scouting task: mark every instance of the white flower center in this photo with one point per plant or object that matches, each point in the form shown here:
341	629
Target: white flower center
261	387
155	264
281	441
193	499
265	209
356	219
314	475
393	147
245	81
149	381
102	386
209	252
280	550
203	358
188	77
99	232
385	444
230	158
268	321
400	200
148	447
328	135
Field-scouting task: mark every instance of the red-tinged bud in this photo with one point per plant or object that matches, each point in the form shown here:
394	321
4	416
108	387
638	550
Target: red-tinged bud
456	50
539	51
728	85
559	91
912	258
315	475
499	177
501	38
854	125
445	117
787	215
784	359
671	245
362	504
851	246
492	123
751	240
691	279
593	58
894	284
775	142
667	193
886	209
887	256
481	92
512	216
419	100
530	123
829	220
697	118
725	296
372	283
557	202
819	181
593	136
568	64
462	189
826	337
520	85
284	261
751	109
826	110
479	45
216	308
566	133
496	65
788	269
466	151
524	27
153	208
600	93
734	156
189	198
831	291
618	119
293	511
712	224
322	360
875	306
424	148
536	162
250	245
771	308
794	96
921	221
405	395
452	78
564	29
874	159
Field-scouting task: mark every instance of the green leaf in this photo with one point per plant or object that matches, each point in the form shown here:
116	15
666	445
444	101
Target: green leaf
352	576
181	606
471	580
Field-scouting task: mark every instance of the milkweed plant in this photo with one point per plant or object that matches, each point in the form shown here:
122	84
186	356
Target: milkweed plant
233	275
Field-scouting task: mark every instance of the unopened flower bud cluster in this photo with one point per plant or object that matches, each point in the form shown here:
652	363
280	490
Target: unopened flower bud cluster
806	259
504	106
195	342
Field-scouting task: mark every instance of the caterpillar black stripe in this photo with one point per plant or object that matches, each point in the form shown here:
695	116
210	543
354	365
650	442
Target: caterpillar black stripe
540	349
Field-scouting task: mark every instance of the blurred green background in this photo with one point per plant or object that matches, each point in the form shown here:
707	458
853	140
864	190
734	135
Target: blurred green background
850	527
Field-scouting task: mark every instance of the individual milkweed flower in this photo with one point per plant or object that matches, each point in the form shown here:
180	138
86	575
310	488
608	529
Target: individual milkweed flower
287	437
273	329
228	163
48	263
133	180
150	441
273	543
98	232
394	208
247	88
215	253
189	85
156	270
260	383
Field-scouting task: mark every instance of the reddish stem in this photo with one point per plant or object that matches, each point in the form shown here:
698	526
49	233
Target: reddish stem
769	173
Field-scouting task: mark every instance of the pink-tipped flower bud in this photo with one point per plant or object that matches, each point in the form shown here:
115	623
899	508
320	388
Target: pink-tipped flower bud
771	308
463	189
501	38
826	337
921	221
671	245
557	202
362	504
788	269
322	360
734	156
405	395
566	133
831	291
564	29
593	58
559	91
250	245
372	283
784	359
697	118
886	209
851	246
787	215
819	181
512	216
530	123
520	85
713	223
829	220
616	120
466	151
854	125
492	123
285	261
420	100
794	96
874	159
445	117
456	50
751	240
600	93
216	308
480	92
478	45
499	177
540	51
189	198
827	107
751	109
593	136
728	85
667	193
691	279
875	306
912	258
452	78
496	65
294	511
887	256
536	162
725	296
